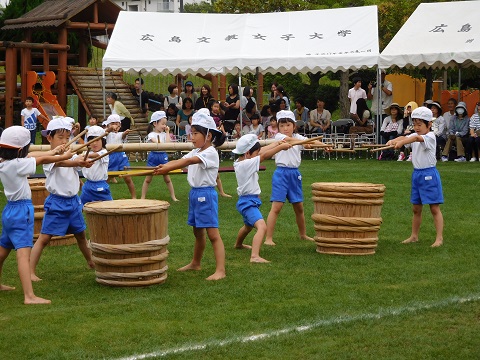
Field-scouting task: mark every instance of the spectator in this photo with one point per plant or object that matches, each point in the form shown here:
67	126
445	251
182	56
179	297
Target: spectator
320	119
29	118
247	96
301	112
184	114
116	107
438	127
205	98
392	127
232	103
363	122
407	117
451	104
141	96
458	133
282	94
273	95
473	144
265	115
355	93
272	128
386	97
173	97
189	92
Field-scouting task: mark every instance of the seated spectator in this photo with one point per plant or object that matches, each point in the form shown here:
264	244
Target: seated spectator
141	96
189	92
473	144
282	94
281	104
407	117
272	128
237	131
183	114
438	126
173	97
265	115
451	104
363	119
205	98
392	127
320	119
172	112
458	133
256	128
247	96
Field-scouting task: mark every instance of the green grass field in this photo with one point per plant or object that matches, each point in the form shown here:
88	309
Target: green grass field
404	302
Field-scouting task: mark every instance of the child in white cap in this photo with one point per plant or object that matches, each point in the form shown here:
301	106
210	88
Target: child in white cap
96	187
426	183
287	180
17	216
118	159
63	207
158	132
247	167
203	163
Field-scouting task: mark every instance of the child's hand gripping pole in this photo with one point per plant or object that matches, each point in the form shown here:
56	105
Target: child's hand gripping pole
91	141
108	152
76	138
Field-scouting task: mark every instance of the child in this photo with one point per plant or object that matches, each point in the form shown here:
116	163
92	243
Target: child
257	128
272	129
17	216
426	183
63	207
246	171
91	122
287	180
96	187
158	131
203	163
188	129
237	131
217	116
75	131
118	160
29	118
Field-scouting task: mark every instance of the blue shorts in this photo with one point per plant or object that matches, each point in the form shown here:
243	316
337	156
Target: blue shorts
249	207
117	161
156	158
287	184
203	207
95	191
17	225
63	215
426	187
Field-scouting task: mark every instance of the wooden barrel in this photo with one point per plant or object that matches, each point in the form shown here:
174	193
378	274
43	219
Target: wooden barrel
39	194
129	239
347	217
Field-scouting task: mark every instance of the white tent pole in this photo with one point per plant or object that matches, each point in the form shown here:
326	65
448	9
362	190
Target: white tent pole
379	109
459	81
103	92
240	92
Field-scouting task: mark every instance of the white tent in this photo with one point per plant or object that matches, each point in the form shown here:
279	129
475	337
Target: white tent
289	42
436	35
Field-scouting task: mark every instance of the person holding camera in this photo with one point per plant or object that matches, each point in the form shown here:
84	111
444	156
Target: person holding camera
386	97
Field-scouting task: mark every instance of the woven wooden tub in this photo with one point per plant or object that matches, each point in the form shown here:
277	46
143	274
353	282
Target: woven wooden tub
39	194
128	239
347	217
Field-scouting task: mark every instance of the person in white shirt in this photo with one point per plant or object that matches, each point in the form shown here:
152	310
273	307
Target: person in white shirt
385	88
355	93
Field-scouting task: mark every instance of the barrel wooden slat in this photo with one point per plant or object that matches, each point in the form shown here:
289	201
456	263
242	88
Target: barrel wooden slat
128	237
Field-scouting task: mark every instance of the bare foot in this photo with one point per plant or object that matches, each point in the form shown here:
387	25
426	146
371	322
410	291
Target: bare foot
437	243
216	276
258	259
190	267
269	243
35	300
6	287
410	240
34	277
175	199
306	237
242	246
91	264
113	181
225	195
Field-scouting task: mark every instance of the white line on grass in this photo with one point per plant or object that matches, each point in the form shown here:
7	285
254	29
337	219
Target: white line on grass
419	306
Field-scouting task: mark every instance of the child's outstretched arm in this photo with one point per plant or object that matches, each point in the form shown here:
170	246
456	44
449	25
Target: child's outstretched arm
77	162
278	146
125	133
404	140
60	149
176	164
48	159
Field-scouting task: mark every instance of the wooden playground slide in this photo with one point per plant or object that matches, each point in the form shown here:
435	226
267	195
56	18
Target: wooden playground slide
39	88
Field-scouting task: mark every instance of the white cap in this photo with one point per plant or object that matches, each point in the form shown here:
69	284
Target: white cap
114	118
60	122
157	115
245	143
202	119
95	131
203	111
285	114
15	137
422	113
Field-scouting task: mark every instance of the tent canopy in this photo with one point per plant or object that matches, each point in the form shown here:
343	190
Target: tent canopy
440	34
172	43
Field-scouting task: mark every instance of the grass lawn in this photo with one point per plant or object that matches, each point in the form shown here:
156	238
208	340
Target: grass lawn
404	302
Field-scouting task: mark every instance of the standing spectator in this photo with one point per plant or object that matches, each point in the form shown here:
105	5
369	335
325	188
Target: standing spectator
363	122
320	119
438	126
205	98
273	95
141	96
116	107
282	94
189	92
473	144
355	93
458	133
30	117
247	96
232	103
384	90
448	115
173	97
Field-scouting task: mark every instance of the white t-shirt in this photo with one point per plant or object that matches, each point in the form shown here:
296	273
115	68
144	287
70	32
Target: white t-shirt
260	129
246	172
13	174
153	137
354	95
292	157
99	169
386	100
423	153
114	138
30	118
205	173
62	181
